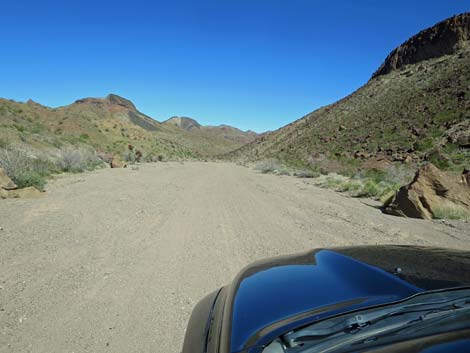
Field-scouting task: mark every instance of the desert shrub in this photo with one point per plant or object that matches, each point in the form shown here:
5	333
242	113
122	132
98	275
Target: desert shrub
84	137
13	161
352	186
129	157
267	166
19	127
281	171
358	186
69	159
395	174
43	166
306	174
370	189
451	212
78	160
24	168
28	178
331	181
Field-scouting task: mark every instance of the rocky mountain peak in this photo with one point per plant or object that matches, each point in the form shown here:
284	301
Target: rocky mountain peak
184	123
115	99
32	103
111	99
442	39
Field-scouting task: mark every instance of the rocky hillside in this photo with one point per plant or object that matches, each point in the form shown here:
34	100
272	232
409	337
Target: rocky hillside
225	132
108	124
415	107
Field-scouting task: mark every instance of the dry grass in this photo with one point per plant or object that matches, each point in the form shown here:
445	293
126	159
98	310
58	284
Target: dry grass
452	212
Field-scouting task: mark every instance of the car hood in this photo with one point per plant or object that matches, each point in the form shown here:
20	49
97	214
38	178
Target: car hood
273	296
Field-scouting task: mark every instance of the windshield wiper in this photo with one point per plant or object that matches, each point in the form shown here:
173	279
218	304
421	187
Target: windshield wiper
376	323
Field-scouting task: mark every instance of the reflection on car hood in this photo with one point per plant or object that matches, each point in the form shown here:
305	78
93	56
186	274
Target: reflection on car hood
272	296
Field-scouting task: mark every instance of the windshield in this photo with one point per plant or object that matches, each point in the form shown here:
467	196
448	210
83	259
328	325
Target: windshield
422	315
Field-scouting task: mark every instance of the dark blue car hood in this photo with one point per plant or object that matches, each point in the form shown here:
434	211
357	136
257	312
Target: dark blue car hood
271	297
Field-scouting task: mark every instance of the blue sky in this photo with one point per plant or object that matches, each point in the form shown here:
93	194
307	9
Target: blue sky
254	64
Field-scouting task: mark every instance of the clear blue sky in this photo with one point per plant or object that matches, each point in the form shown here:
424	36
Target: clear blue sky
254	64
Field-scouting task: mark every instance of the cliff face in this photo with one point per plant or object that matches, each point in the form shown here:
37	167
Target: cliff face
442	39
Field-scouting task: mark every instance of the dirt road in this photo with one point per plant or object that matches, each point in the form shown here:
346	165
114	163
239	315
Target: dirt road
114	260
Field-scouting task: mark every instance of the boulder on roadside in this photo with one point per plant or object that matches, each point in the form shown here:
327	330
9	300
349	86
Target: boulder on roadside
8	189
117	163
26	193
5	182
430	191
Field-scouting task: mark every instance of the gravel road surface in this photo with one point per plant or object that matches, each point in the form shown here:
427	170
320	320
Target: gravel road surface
114	260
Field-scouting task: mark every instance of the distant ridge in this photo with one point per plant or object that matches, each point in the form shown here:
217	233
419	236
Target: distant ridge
111	124
226	132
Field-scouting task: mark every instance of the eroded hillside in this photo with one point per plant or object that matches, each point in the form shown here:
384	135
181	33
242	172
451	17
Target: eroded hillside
411	113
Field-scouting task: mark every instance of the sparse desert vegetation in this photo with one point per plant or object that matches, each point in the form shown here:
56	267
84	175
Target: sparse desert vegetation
452	212
28	167
379	185
116	259
418	112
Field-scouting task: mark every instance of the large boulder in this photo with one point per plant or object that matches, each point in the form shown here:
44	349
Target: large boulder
8	189
25	193
5	182
117	163
430	191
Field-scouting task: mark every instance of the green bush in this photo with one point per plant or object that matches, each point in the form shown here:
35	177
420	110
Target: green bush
24	169
30	178
354	187
370	189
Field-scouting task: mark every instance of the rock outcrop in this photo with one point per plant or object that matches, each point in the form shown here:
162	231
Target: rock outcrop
117	163
431	191
25	193
459	134
442	39
8	189
5	182
110	99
